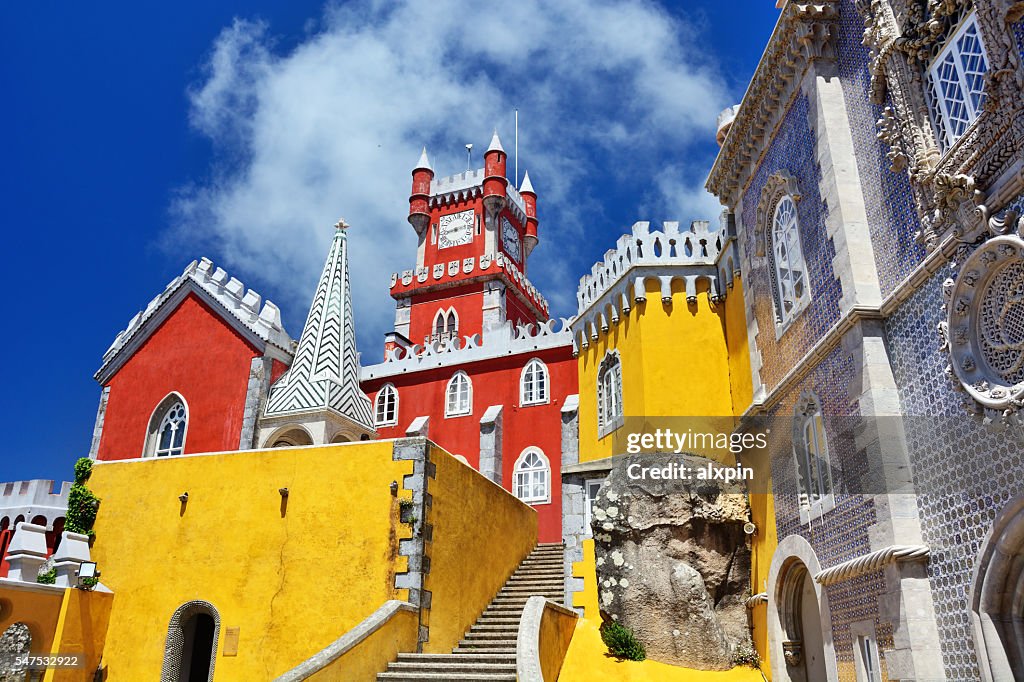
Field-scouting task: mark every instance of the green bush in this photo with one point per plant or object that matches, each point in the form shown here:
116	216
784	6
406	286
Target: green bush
82	503
621	642
47	578
88	583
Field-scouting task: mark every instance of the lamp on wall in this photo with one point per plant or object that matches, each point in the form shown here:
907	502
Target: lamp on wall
87	569
184	496
394	487
283	491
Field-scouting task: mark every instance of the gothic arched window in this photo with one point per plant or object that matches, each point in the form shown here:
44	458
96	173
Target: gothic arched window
167	428
814	474
532	477
533	384
446	325
609	395
386	407
789	269
458	396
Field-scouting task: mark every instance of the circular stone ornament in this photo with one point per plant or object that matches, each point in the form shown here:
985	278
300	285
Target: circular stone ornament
985	327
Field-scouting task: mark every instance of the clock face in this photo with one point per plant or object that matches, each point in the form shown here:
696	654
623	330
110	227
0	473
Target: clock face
510	239
455	229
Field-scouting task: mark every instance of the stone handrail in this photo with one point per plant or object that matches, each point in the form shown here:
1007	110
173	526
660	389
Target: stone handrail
347	642
536	660
872	562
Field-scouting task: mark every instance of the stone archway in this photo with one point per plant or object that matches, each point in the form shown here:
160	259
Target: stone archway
191	646
997	597
799	619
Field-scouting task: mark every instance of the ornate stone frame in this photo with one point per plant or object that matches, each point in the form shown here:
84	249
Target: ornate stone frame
808	402
996	573
175	643
779	184
902	35
977	269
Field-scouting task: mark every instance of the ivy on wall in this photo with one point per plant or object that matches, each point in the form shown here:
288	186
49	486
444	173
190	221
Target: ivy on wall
82	502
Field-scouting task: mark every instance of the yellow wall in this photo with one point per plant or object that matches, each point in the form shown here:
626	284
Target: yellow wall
292	579
556	631
741	382
675	362
481	534
362	662
587	571
62	621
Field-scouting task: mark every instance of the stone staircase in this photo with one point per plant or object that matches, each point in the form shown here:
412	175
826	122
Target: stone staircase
487	653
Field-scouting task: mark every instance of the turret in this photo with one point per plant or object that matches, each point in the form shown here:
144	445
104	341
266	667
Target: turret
530	202
419	208
495	182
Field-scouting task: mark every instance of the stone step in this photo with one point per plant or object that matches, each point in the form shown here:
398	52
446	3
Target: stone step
471	640
506	633
446	677
473	656
497	620
455	664
485	651
496	627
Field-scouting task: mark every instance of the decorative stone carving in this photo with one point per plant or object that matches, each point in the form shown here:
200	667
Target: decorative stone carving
889	133
793	652
984	327
673	563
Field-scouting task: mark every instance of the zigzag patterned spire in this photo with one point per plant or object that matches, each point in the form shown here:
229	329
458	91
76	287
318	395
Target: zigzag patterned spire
325	372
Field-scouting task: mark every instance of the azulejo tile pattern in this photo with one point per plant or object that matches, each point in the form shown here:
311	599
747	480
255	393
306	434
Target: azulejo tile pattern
1018	32
792	150
964	472
888	198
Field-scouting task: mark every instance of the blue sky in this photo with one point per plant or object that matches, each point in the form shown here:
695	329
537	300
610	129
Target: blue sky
139	138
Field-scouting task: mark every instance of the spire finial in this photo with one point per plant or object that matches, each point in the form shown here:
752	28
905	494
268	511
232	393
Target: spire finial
341	224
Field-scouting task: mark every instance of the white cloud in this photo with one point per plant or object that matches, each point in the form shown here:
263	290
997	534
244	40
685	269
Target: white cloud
334	126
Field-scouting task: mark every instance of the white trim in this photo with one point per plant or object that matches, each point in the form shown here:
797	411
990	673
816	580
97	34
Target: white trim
532	500
152	441
545	386
938	105
606	425
387	388
458	410
587	502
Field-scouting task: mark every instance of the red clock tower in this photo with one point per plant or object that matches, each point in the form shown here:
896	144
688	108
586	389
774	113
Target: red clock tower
476	232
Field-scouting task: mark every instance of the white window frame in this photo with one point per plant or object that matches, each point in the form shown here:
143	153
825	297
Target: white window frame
156	424
787	256
534	384
447	330
938	104
519	470
810	450
462	406
867	660
609	394
590	488
380	404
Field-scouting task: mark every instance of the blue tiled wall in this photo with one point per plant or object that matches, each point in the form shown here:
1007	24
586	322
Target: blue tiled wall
888	198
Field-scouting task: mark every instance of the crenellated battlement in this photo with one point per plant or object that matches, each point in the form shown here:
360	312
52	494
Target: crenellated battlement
442	274
667	255
501	341
259	317
31	499
468	185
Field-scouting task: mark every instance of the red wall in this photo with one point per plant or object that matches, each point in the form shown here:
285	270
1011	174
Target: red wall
196	353
495	382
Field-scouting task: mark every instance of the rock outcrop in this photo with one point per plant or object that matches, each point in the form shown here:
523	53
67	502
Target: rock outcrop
673	563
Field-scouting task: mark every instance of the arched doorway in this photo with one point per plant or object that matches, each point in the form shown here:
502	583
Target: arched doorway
191	648
997	597
803	646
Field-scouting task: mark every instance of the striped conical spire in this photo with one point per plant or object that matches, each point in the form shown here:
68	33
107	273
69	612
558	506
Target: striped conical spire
325	371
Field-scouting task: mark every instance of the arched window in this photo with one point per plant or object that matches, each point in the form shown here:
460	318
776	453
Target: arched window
446	325
955	83
459	396
288	437
167	428
386	406
533	384
790	271
532	477
814	473
609	394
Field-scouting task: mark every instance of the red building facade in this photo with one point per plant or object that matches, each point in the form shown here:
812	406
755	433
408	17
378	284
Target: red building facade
474	362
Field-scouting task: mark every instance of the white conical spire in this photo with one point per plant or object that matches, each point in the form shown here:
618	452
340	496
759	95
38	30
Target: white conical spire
424	162
495	144
527	186
324	376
